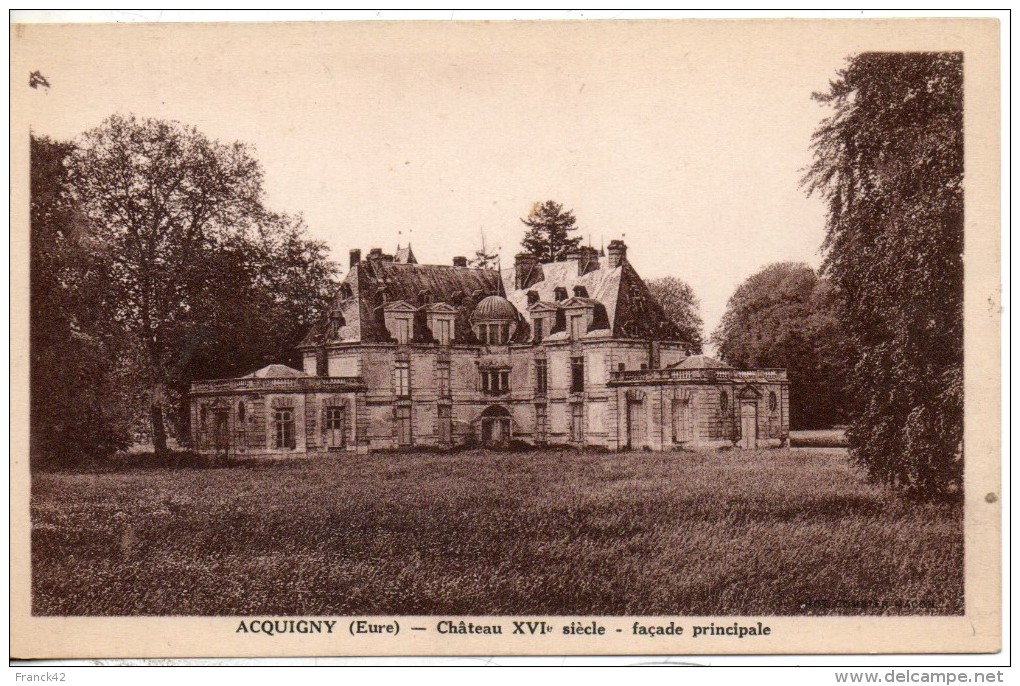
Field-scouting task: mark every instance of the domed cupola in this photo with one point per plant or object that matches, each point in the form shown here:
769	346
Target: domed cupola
494	320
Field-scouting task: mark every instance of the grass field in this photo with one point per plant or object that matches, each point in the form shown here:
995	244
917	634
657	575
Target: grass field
756	533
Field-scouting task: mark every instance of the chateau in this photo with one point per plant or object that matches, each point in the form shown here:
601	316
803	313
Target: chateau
576	353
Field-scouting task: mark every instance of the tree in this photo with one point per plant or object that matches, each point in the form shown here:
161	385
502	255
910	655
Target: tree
483	258
548	236
681	306
889	164
72	345
202	277
783	316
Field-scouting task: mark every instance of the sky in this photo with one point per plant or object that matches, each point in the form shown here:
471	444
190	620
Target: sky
687	140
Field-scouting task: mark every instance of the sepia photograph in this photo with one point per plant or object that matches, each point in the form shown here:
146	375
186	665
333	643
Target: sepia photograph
427	335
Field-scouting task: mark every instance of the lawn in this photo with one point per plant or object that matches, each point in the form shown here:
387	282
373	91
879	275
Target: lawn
542	533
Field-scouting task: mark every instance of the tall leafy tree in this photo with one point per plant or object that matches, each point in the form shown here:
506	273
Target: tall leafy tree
783	316
74	413
889	163
681	306
202	277
549	228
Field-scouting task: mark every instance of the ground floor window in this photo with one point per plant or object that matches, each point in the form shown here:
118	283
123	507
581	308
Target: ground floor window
576	422
445	424
683	429
402	416
541	424
283	420
336	421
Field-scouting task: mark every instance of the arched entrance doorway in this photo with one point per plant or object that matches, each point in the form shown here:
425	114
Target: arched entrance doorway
495	426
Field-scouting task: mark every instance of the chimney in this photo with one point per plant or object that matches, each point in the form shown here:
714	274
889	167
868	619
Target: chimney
459	261
375	255
587	260
532	298
355	256
525	270
617	254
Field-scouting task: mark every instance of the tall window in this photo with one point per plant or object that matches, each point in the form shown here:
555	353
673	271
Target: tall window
403	330
443	332
402	380
495	381
576	422
445	428
724	401
541	424
537	329
443	374
283	420
682	425
402	417
773	401
576	374
576	326
541	377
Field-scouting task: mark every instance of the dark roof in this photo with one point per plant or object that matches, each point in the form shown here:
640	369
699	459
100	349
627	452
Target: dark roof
623	304
494	307
374	283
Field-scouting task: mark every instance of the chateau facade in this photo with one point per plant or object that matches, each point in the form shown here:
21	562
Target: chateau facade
576	352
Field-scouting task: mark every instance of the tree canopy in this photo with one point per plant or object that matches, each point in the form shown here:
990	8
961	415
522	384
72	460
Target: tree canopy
549	227
73	346
199	279
889	164
682	306
783	316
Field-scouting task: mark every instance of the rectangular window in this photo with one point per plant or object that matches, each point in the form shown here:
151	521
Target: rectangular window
443	372
541	424
576	326
445	428
444	331
576	374
403	332
402	417
283	420
495	381
335	422
541	377
576	422
537	330
403	379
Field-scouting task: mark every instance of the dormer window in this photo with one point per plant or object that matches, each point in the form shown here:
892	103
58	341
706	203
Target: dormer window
560	293
402	330
580	292
494	320
440	318
577	326
399	317
492	333
442	330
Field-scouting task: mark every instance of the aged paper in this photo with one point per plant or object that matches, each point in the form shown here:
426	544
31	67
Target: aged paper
242	82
